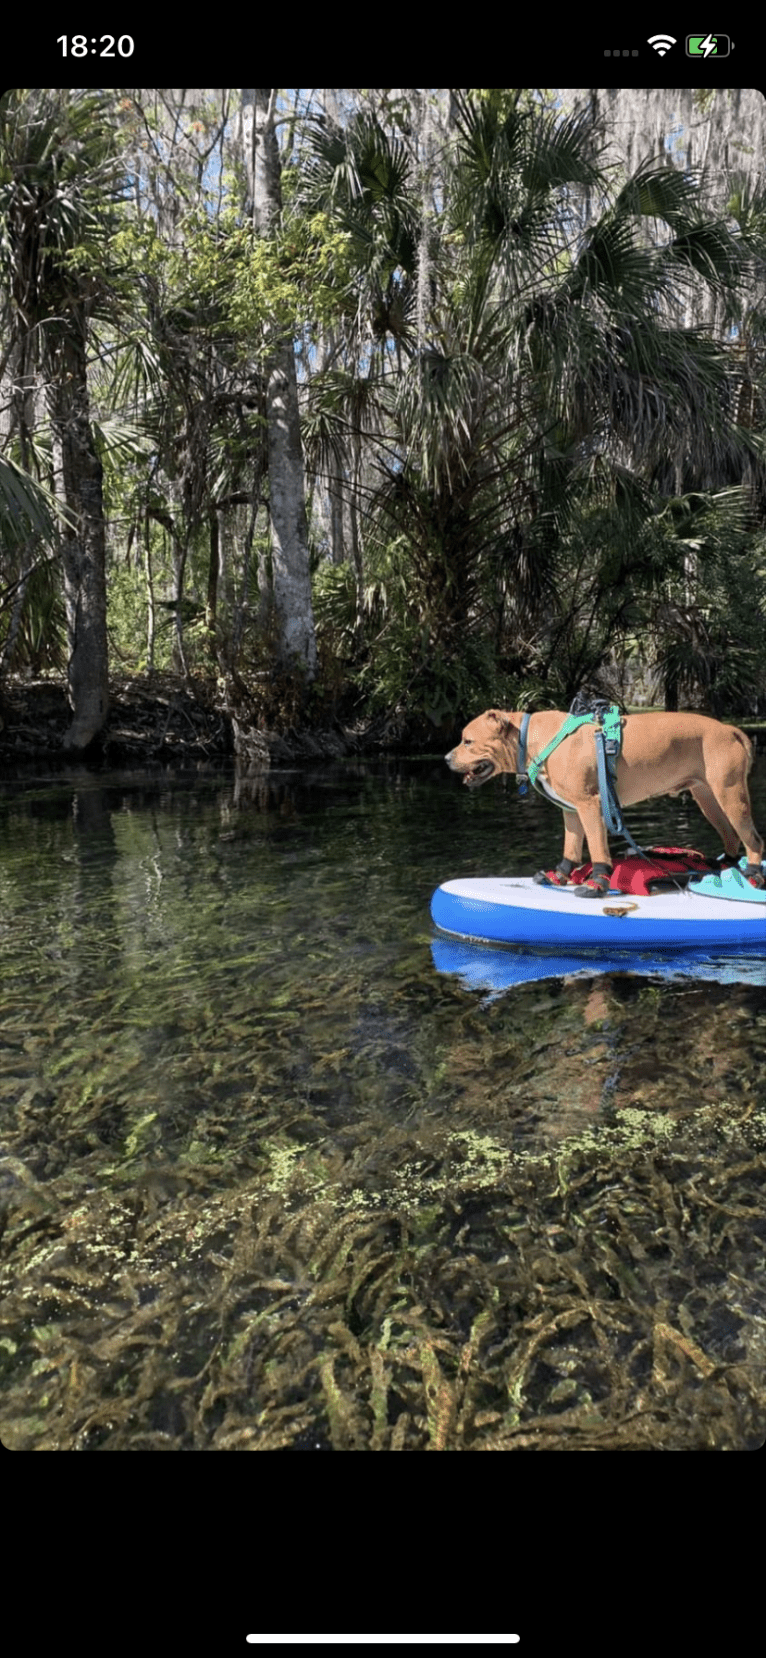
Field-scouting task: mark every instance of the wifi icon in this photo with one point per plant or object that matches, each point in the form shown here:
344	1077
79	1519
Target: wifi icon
661	43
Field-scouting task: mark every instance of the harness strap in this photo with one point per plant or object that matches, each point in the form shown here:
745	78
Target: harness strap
607	749
521	757
571	724
608	734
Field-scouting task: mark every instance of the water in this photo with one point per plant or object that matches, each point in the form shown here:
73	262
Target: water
228	1068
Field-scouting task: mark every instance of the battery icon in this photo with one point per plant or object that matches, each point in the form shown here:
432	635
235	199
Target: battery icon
708	46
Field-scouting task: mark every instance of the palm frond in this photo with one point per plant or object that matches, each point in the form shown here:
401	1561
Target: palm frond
657	191
708	248
27	508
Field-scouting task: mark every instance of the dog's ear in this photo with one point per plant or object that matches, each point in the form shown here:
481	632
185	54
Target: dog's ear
504	724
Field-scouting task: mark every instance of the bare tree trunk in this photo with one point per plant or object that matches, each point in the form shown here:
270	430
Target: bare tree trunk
356	550
211	608
242	606
289	530
335	526
84	544
180	551
150	611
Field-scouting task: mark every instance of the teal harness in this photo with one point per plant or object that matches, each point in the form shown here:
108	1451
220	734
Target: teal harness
608	723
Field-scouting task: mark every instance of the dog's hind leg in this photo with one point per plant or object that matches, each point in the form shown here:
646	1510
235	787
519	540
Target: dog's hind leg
708	804
731	817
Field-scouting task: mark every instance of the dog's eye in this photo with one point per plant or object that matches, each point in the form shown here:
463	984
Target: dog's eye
467	742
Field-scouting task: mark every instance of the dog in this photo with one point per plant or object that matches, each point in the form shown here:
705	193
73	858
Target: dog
660	754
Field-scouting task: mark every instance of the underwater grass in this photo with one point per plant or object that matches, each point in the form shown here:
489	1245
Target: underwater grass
270	1182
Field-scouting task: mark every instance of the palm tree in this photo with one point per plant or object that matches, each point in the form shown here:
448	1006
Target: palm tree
287	505
60	181
551	383
364	180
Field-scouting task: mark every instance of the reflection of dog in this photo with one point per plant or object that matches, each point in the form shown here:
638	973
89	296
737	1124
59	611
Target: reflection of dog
660	754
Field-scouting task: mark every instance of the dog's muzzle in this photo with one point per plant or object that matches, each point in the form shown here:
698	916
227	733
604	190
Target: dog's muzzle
479	772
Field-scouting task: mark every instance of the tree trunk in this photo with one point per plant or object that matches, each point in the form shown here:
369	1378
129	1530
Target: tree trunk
289	530
287	509
84	544
180	554
213	569
150	609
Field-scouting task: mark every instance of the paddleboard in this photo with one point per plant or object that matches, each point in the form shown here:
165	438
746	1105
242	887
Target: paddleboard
516	910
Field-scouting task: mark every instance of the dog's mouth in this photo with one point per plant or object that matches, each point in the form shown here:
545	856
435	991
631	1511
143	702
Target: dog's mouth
479	773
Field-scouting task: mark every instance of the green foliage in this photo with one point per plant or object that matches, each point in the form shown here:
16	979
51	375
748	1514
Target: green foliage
60	186
710	649
414	675
40	643
251	285
127	622
339	642
27	507
494	380
388	656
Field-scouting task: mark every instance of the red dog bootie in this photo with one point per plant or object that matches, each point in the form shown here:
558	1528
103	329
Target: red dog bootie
598	882
558	877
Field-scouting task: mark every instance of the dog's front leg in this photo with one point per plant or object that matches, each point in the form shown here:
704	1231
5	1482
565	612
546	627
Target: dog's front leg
590	818
573	838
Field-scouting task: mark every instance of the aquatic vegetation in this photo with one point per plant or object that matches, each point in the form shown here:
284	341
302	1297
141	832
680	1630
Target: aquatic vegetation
269	1181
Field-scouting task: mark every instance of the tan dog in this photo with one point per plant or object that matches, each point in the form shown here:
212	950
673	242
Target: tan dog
660	754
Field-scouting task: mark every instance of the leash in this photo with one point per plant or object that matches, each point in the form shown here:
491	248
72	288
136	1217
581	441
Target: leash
607	719
608	736
607	750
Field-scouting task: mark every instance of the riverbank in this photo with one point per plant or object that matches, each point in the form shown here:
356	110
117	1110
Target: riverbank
163	719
